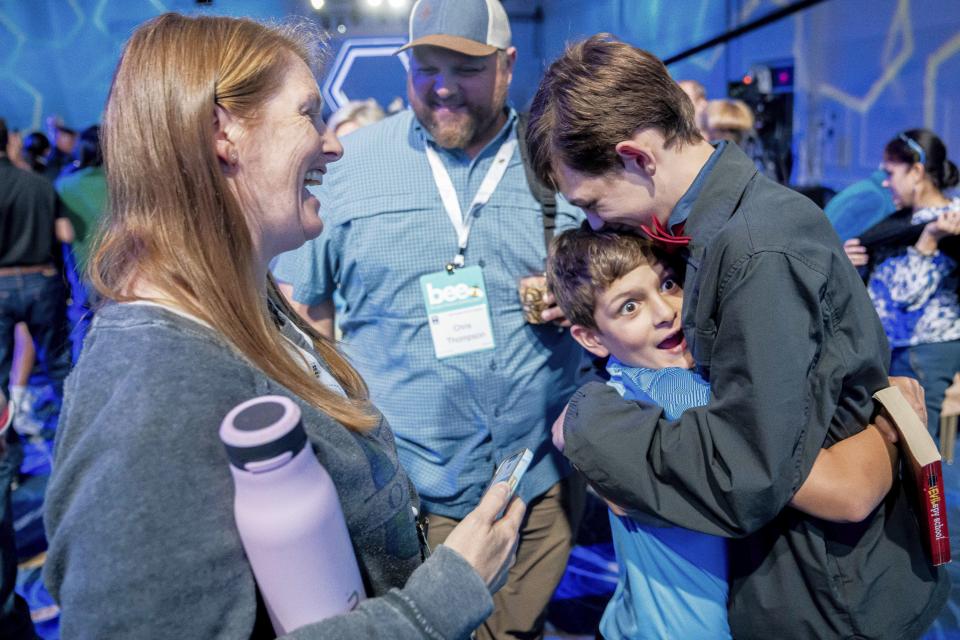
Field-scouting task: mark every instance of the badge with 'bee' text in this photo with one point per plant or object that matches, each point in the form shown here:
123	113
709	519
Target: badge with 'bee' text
457	311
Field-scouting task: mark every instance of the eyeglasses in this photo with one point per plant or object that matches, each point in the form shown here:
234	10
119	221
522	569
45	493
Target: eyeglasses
915	146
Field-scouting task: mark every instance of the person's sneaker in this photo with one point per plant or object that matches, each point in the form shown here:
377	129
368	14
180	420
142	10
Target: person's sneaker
25	421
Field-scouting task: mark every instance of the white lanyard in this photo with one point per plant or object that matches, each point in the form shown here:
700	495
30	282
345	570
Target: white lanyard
448	195
312	361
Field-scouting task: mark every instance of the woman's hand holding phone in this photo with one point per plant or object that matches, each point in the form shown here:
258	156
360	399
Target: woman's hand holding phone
489	543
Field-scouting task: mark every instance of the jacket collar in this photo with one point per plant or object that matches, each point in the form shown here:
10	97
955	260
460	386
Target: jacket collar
719	197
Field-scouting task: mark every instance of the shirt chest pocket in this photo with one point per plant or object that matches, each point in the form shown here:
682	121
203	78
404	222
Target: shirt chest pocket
702	349
395	240
699	301
390	247
510	241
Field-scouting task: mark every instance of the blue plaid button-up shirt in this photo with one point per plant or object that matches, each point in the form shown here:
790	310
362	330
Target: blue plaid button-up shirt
385	226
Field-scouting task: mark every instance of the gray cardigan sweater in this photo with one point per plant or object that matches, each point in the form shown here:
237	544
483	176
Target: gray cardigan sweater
139	509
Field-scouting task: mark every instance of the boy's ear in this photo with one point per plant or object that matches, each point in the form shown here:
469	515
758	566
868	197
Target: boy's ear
589	339
637	157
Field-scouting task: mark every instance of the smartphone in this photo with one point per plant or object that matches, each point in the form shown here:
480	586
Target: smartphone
511	470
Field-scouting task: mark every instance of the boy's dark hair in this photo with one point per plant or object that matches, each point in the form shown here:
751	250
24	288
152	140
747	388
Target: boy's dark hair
4	136
598	93
583	263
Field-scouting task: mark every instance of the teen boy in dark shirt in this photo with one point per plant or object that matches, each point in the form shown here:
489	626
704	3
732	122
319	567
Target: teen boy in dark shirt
777	320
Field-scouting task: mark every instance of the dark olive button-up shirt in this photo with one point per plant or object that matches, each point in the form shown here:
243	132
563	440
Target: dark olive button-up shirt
780	323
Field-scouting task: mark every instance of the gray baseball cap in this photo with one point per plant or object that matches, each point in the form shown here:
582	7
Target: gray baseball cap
471	27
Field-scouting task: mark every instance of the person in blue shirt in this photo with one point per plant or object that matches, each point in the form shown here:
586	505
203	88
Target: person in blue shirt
425	202
623	295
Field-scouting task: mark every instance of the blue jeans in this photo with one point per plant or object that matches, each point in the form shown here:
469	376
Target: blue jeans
933	365
15	620
40	301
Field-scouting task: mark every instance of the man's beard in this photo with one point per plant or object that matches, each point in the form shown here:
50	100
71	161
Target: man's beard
452	132
464	128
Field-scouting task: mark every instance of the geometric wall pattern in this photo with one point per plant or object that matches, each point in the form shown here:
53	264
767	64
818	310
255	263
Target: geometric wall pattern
58	56
865	69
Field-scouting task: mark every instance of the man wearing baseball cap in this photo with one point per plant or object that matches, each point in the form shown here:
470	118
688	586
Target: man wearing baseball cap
430	222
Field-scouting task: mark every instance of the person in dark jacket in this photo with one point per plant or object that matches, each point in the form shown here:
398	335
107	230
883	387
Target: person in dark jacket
777	321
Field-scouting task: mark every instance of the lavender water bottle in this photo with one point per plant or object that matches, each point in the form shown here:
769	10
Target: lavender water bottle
289	516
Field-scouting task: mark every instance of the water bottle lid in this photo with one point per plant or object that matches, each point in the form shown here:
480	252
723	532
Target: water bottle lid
261	429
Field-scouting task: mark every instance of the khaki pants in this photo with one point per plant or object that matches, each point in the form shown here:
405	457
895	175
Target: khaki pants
546	537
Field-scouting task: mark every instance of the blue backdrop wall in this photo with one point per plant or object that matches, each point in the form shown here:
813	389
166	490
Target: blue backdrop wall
865	69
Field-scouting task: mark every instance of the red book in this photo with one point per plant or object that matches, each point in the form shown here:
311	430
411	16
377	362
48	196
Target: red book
922	460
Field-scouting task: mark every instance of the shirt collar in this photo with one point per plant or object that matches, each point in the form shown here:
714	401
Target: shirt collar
681	211
495	142
642	377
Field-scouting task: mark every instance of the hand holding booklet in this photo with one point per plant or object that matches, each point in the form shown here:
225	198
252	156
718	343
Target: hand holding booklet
510	470
923	467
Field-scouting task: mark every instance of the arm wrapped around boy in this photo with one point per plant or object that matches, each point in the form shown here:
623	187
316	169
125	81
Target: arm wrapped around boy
778	320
